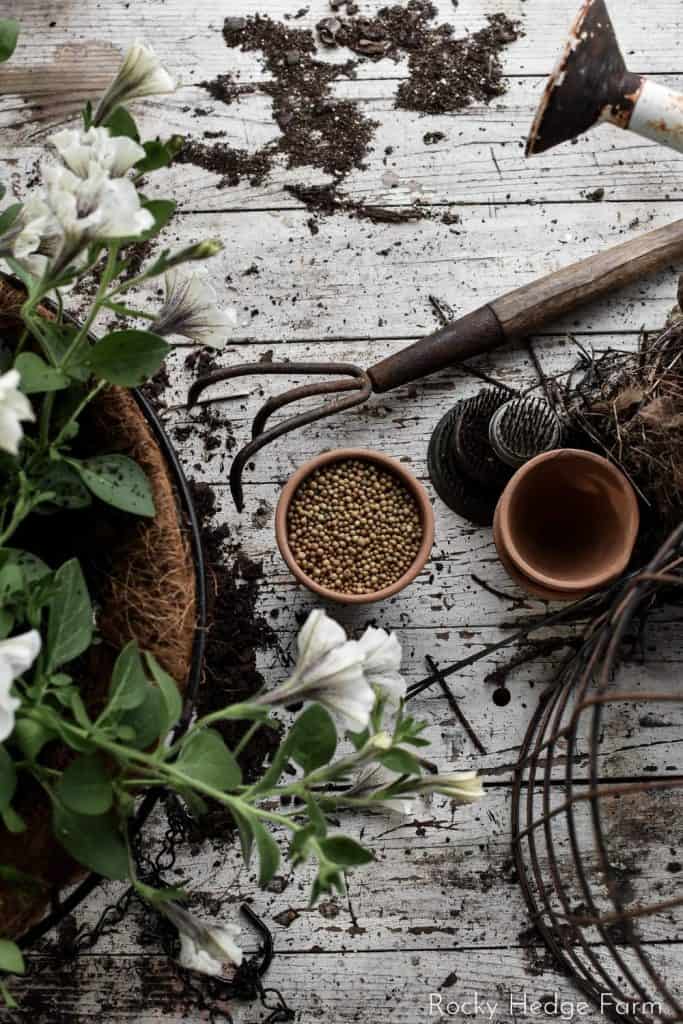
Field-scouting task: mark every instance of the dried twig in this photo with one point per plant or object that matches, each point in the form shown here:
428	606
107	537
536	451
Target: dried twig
455	707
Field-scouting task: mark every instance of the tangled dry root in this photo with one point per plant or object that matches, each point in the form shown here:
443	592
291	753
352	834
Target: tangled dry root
631	405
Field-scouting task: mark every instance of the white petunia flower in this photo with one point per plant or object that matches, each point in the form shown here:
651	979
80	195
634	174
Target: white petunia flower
14	408
17	654
96	207
382	653
204	948
329	670
317	637
31	237
191	309
141	74
462	787
78	150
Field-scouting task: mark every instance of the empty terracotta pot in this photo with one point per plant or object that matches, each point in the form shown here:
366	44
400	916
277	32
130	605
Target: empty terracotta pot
412	485
566	524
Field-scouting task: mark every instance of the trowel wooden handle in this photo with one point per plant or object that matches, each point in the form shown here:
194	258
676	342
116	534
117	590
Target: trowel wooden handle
530	308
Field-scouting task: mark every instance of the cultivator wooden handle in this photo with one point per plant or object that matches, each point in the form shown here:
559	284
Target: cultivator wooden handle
507	319
528	309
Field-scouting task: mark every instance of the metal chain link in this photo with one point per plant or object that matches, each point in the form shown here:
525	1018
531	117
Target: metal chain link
199	992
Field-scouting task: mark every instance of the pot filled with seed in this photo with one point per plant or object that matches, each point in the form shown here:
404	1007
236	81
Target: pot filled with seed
354	526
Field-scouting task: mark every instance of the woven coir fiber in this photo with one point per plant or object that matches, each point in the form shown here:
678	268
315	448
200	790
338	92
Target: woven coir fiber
142	581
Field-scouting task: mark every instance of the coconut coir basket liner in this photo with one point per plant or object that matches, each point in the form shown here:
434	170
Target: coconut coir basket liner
145	589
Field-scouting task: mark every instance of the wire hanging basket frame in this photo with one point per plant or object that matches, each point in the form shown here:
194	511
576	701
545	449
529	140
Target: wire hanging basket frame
188	515
563	825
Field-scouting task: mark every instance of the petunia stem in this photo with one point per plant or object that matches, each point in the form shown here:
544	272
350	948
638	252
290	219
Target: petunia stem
168	772
77	411
249	734
84	330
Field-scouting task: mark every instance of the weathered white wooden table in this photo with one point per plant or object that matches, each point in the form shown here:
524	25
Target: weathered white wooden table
439	911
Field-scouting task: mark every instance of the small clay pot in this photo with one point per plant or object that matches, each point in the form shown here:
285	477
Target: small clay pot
566	524
383	462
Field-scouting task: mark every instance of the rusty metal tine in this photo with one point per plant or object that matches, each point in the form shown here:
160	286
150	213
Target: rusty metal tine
292	423
294	395
360	384
265	369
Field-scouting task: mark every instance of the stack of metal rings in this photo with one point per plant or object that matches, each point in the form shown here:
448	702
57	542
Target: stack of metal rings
481	441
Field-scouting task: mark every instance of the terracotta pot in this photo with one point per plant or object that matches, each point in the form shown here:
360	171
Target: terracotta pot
384	462
566	524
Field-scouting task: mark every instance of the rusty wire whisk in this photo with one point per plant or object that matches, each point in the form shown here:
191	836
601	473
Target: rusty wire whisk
573	831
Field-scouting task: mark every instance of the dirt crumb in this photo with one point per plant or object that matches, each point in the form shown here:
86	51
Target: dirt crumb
226	89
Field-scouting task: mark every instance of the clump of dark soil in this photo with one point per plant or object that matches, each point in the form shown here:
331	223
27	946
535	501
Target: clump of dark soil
232	164
201	361
325	199
137	254
449	74
446	74
317	129
226	89
334	135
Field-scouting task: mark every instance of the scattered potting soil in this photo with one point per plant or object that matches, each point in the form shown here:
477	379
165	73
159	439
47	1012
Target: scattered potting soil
201	361
137	254
155	388
445	74
209	425
326	199
211	428
236	633
318	130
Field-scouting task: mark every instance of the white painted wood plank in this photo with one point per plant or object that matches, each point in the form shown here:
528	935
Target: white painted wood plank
187	33
347	989
360	986
480	160
360	280
442	879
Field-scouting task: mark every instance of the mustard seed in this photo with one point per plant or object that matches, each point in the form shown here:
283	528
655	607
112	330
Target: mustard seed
354	527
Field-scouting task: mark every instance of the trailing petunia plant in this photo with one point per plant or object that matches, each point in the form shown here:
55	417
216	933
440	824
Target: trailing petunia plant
90	211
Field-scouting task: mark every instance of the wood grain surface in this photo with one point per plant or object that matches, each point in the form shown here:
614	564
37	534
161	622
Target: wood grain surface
439	912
